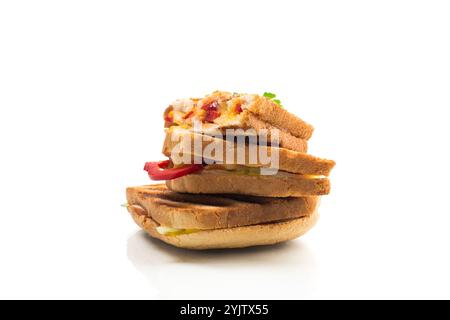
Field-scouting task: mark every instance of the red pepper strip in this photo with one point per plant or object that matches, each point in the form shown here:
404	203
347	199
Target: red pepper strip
159	170
188	115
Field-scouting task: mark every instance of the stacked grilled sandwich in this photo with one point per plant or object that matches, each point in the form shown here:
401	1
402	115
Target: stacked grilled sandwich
237	174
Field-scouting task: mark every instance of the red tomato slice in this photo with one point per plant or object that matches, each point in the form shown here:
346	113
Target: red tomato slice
168	120
211	111
159	170
212	115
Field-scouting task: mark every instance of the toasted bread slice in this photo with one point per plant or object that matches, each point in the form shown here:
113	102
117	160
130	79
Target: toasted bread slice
289	161
236	237
227	182
202	212
270	112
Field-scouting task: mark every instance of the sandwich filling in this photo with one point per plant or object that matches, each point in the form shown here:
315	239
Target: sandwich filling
217	110
169	231
166	170
254	171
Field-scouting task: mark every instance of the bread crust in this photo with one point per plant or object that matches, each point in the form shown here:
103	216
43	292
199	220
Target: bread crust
289	161
270	112
196	211
238	237
227	182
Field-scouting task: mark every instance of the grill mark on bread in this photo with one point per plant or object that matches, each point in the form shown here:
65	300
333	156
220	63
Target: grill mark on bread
179	201
248	199
174	199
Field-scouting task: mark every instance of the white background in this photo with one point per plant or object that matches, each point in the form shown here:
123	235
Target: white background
83	85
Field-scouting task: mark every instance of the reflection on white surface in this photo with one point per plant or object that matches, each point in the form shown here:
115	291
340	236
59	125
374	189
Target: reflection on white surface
280	271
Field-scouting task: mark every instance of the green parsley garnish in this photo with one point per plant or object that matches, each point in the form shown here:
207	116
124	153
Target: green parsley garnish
271	96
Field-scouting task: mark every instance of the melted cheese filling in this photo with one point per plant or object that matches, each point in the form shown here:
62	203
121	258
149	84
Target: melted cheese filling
169	231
